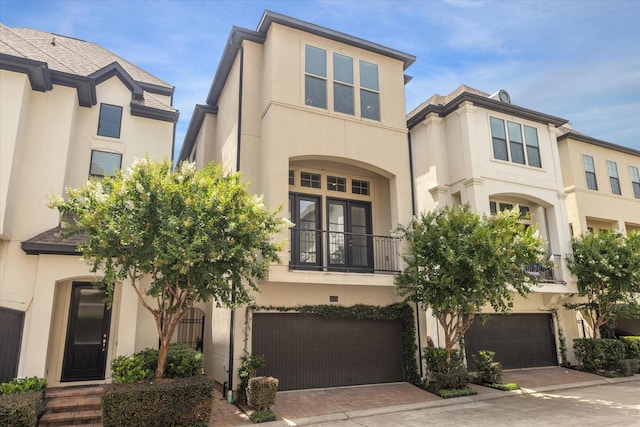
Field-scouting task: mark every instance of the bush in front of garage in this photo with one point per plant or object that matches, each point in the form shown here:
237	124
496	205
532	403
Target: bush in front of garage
164	402
261	394
600	356
446	380
22	401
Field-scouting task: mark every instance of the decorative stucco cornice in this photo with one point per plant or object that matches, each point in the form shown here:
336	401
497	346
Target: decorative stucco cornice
597	142
199	113
484	102
472	181
270	17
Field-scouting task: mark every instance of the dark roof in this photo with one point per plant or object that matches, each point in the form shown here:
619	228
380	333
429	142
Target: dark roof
238	35
50	59
445	105
51	242
578	136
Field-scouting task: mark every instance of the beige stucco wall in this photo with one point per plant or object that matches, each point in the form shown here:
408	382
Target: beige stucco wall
599	209
46	145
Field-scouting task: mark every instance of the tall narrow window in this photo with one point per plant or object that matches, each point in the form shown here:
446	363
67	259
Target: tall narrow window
533	148
369	91
103	163
613	177
109	121
342	84
590	172
499	139
635	181
515	143
315	79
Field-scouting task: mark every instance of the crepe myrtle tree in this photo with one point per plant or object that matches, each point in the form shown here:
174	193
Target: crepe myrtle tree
458	261
607	266
179	236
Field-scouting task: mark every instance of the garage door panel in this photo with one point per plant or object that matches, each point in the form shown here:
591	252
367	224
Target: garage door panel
308	351
519	340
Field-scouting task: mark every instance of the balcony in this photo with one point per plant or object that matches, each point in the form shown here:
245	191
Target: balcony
347	252
546	274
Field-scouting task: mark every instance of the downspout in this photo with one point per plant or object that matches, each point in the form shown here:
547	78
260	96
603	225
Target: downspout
413	212
232	320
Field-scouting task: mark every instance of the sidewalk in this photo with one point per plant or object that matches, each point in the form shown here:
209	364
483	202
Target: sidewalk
303	407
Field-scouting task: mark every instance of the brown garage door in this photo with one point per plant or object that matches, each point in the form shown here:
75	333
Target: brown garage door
519	340
308	351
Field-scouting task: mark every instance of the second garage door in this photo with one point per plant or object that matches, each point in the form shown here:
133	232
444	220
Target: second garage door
519	340
309	351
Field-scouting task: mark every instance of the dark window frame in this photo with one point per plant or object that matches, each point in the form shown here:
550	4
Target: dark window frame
590	172
614	179
106	124
93	173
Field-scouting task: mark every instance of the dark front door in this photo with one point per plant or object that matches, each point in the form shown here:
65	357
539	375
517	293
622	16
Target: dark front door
11	323
85	354
350	243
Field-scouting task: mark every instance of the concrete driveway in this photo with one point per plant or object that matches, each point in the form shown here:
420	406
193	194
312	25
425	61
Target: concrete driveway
385	401
616	404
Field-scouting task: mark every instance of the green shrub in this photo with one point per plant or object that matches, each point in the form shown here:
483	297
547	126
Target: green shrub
182	362
487	371
248	368
23	385
599	354
443	376
627	367
129	369
261	392
21	409
262	416
632	346
168	402
456	392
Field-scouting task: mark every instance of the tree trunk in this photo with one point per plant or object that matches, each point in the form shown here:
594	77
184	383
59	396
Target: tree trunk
162	357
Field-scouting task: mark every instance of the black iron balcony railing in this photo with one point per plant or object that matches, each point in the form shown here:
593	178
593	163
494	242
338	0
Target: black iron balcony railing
546	274
342	251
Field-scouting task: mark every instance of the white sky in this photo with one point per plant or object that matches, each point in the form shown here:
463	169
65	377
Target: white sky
579	60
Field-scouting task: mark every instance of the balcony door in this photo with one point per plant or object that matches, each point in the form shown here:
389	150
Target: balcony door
306	242
349	240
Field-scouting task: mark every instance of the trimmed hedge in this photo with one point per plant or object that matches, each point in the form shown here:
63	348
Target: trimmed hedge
447	393
599	354
632	346
21	409
443	376
261	392
168	402
487	371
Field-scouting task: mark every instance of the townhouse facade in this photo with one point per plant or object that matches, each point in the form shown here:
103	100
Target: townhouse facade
315	121
70	110
602	183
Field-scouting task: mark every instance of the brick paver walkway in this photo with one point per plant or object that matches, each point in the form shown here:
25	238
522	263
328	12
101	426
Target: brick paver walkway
545	377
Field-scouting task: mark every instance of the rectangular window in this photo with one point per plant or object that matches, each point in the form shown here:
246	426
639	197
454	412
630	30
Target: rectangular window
613	177
590	172
336	183
342	84
360	187
103	163
635	181
369	91
533	148
315	79
311	180
109	121
499	139
292	177
515	143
